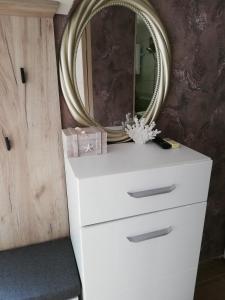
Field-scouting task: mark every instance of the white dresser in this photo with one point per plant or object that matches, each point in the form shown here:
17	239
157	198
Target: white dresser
136	221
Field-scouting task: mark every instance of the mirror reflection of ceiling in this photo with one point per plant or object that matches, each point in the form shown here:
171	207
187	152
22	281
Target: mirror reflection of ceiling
119	65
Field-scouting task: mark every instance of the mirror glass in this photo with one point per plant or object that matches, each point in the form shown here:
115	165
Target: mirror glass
119	66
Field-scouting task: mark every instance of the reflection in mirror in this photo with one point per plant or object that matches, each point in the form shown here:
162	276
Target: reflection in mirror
119	66
145	67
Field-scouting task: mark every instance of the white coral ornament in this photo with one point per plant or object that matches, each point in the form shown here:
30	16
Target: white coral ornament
141	133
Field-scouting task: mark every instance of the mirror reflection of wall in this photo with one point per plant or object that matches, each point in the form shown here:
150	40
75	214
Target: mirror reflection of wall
119	65
112	42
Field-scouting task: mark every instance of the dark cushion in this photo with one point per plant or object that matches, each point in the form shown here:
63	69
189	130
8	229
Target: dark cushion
45	271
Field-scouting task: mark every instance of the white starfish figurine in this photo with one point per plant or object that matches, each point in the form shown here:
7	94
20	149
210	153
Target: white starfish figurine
89	148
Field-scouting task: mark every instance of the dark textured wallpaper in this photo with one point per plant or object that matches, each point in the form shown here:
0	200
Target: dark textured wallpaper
194	113
112	35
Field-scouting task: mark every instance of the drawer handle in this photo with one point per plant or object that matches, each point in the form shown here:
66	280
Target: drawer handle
150	235
152	192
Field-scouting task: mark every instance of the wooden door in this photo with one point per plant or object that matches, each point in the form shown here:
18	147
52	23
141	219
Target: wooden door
33	205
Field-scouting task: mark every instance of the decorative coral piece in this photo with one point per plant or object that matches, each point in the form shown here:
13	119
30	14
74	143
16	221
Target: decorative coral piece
141	133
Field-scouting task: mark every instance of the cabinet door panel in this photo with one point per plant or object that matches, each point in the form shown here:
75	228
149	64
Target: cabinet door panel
32	189
158	268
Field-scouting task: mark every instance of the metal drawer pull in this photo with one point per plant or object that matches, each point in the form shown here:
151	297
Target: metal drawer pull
152	192
150	235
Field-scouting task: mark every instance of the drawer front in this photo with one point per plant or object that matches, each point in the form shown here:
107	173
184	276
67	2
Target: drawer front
153	256
123	195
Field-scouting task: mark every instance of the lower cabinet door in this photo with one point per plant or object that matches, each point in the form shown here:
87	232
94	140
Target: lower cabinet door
147	257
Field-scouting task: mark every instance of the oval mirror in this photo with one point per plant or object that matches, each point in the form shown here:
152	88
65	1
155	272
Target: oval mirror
115	59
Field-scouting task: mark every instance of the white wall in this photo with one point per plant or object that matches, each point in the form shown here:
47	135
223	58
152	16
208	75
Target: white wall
65	6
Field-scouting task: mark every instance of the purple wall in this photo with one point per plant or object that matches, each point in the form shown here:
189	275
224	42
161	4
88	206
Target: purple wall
194	113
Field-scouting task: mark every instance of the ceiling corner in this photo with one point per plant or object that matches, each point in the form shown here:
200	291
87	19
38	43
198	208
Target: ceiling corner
65	6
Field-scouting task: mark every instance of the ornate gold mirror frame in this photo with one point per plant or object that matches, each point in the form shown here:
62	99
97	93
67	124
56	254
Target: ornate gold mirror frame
69	47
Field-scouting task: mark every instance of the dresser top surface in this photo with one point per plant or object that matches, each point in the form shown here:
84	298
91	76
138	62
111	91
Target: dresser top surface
131	157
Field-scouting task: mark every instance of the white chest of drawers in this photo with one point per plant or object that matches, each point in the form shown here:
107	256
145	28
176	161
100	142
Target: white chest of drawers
136	221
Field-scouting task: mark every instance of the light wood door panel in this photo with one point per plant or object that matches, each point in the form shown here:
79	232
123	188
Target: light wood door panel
33	206
41	8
